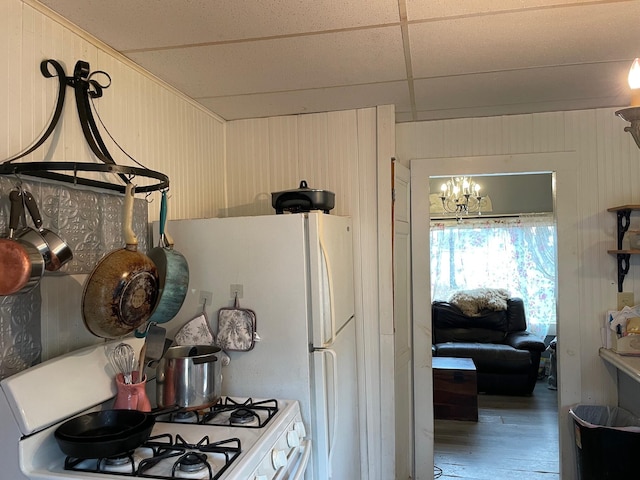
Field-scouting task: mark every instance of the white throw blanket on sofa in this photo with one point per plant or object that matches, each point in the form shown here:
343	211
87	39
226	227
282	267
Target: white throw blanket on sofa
472	302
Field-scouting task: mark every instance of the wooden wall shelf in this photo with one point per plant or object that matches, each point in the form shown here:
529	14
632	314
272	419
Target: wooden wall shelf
625	363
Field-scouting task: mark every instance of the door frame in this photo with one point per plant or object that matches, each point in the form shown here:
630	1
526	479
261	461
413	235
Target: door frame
563	165
403	342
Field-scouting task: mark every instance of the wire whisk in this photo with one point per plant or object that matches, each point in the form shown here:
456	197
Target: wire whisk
123	360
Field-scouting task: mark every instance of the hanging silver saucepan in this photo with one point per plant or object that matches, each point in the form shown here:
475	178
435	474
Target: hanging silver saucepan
55	251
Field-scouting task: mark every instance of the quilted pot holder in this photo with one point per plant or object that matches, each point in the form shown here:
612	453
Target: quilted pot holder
195	332
198	332
236	328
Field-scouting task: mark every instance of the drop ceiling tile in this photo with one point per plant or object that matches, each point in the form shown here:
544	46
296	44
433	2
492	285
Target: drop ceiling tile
142	24
276	65
309	101
419	9
272	57
524	40
524	88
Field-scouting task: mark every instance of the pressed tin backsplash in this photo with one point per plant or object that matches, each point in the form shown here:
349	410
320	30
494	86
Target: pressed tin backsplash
90	222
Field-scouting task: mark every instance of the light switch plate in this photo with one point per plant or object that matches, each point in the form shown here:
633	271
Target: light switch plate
625	299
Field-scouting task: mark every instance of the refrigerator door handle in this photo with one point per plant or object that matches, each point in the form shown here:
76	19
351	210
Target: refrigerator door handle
334	422
327	264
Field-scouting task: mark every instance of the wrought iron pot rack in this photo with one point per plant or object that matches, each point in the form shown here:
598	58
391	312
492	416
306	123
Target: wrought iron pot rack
85	87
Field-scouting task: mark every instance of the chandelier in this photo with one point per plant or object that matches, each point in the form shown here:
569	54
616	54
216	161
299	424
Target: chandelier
632	114
461	195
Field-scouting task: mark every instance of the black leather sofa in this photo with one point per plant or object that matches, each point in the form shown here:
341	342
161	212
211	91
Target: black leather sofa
505	354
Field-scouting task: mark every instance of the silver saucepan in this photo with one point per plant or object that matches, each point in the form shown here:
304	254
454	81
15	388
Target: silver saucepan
55	251
189	377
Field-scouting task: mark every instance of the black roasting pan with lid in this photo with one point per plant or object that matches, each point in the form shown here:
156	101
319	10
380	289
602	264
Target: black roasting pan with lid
303	199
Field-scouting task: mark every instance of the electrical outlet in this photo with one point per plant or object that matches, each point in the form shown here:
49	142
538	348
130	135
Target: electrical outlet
625	299
235	289
206	298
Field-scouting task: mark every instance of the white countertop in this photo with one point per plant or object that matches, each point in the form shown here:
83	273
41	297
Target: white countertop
628	364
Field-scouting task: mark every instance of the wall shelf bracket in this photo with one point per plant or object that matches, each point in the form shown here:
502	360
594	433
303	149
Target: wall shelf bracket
623	224
623	268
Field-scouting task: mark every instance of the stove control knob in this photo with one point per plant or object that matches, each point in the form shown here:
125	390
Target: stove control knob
278	458
298	427
293	440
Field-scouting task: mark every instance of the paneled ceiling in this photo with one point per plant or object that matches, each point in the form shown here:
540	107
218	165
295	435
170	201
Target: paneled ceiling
432	59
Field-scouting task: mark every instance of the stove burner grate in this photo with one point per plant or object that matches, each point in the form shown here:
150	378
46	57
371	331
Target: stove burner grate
190	458
242	414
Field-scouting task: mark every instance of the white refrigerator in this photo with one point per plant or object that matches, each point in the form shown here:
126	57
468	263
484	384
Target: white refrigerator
295	271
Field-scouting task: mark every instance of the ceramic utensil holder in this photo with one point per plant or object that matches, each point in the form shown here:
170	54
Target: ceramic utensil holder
132	396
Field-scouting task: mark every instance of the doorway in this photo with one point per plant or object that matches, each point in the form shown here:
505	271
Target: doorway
511	244
563	165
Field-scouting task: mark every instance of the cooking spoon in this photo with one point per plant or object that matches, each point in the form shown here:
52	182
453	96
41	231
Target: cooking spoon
153	347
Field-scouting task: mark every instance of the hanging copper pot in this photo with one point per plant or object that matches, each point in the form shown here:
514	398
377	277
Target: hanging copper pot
21	264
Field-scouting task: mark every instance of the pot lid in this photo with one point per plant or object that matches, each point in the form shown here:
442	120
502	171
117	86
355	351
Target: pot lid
303	188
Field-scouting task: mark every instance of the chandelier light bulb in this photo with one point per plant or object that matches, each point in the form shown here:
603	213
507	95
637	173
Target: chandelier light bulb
461	195
634	82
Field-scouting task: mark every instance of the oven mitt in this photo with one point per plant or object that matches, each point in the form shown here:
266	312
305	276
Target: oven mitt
198	332
237	328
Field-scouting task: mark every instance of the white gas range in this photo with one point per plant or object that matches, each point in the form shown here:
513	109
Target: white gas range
237	439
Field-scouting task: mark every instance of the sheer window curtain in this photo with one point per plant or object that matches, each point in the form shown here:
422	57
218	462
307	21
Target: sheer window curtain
517	254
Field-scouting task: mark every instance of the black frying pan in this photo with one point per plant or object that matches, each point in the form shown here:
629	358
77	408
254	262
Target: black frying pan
107	433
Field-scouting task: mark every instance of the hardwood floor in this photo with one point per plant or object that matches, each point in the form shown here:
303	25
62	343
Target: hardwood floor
515	437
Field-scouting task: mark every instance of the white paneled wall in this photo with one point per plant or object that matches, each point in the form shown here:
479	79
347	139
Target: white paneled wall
272	154
341	152
155	124
608	174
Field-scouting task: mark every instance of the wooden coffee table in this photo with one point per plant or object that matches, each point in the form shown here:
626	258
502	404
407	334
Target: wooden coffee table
455	389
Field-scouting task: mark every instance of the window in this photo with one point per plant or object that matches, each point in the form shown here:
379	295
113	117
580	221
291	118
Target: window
516	253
